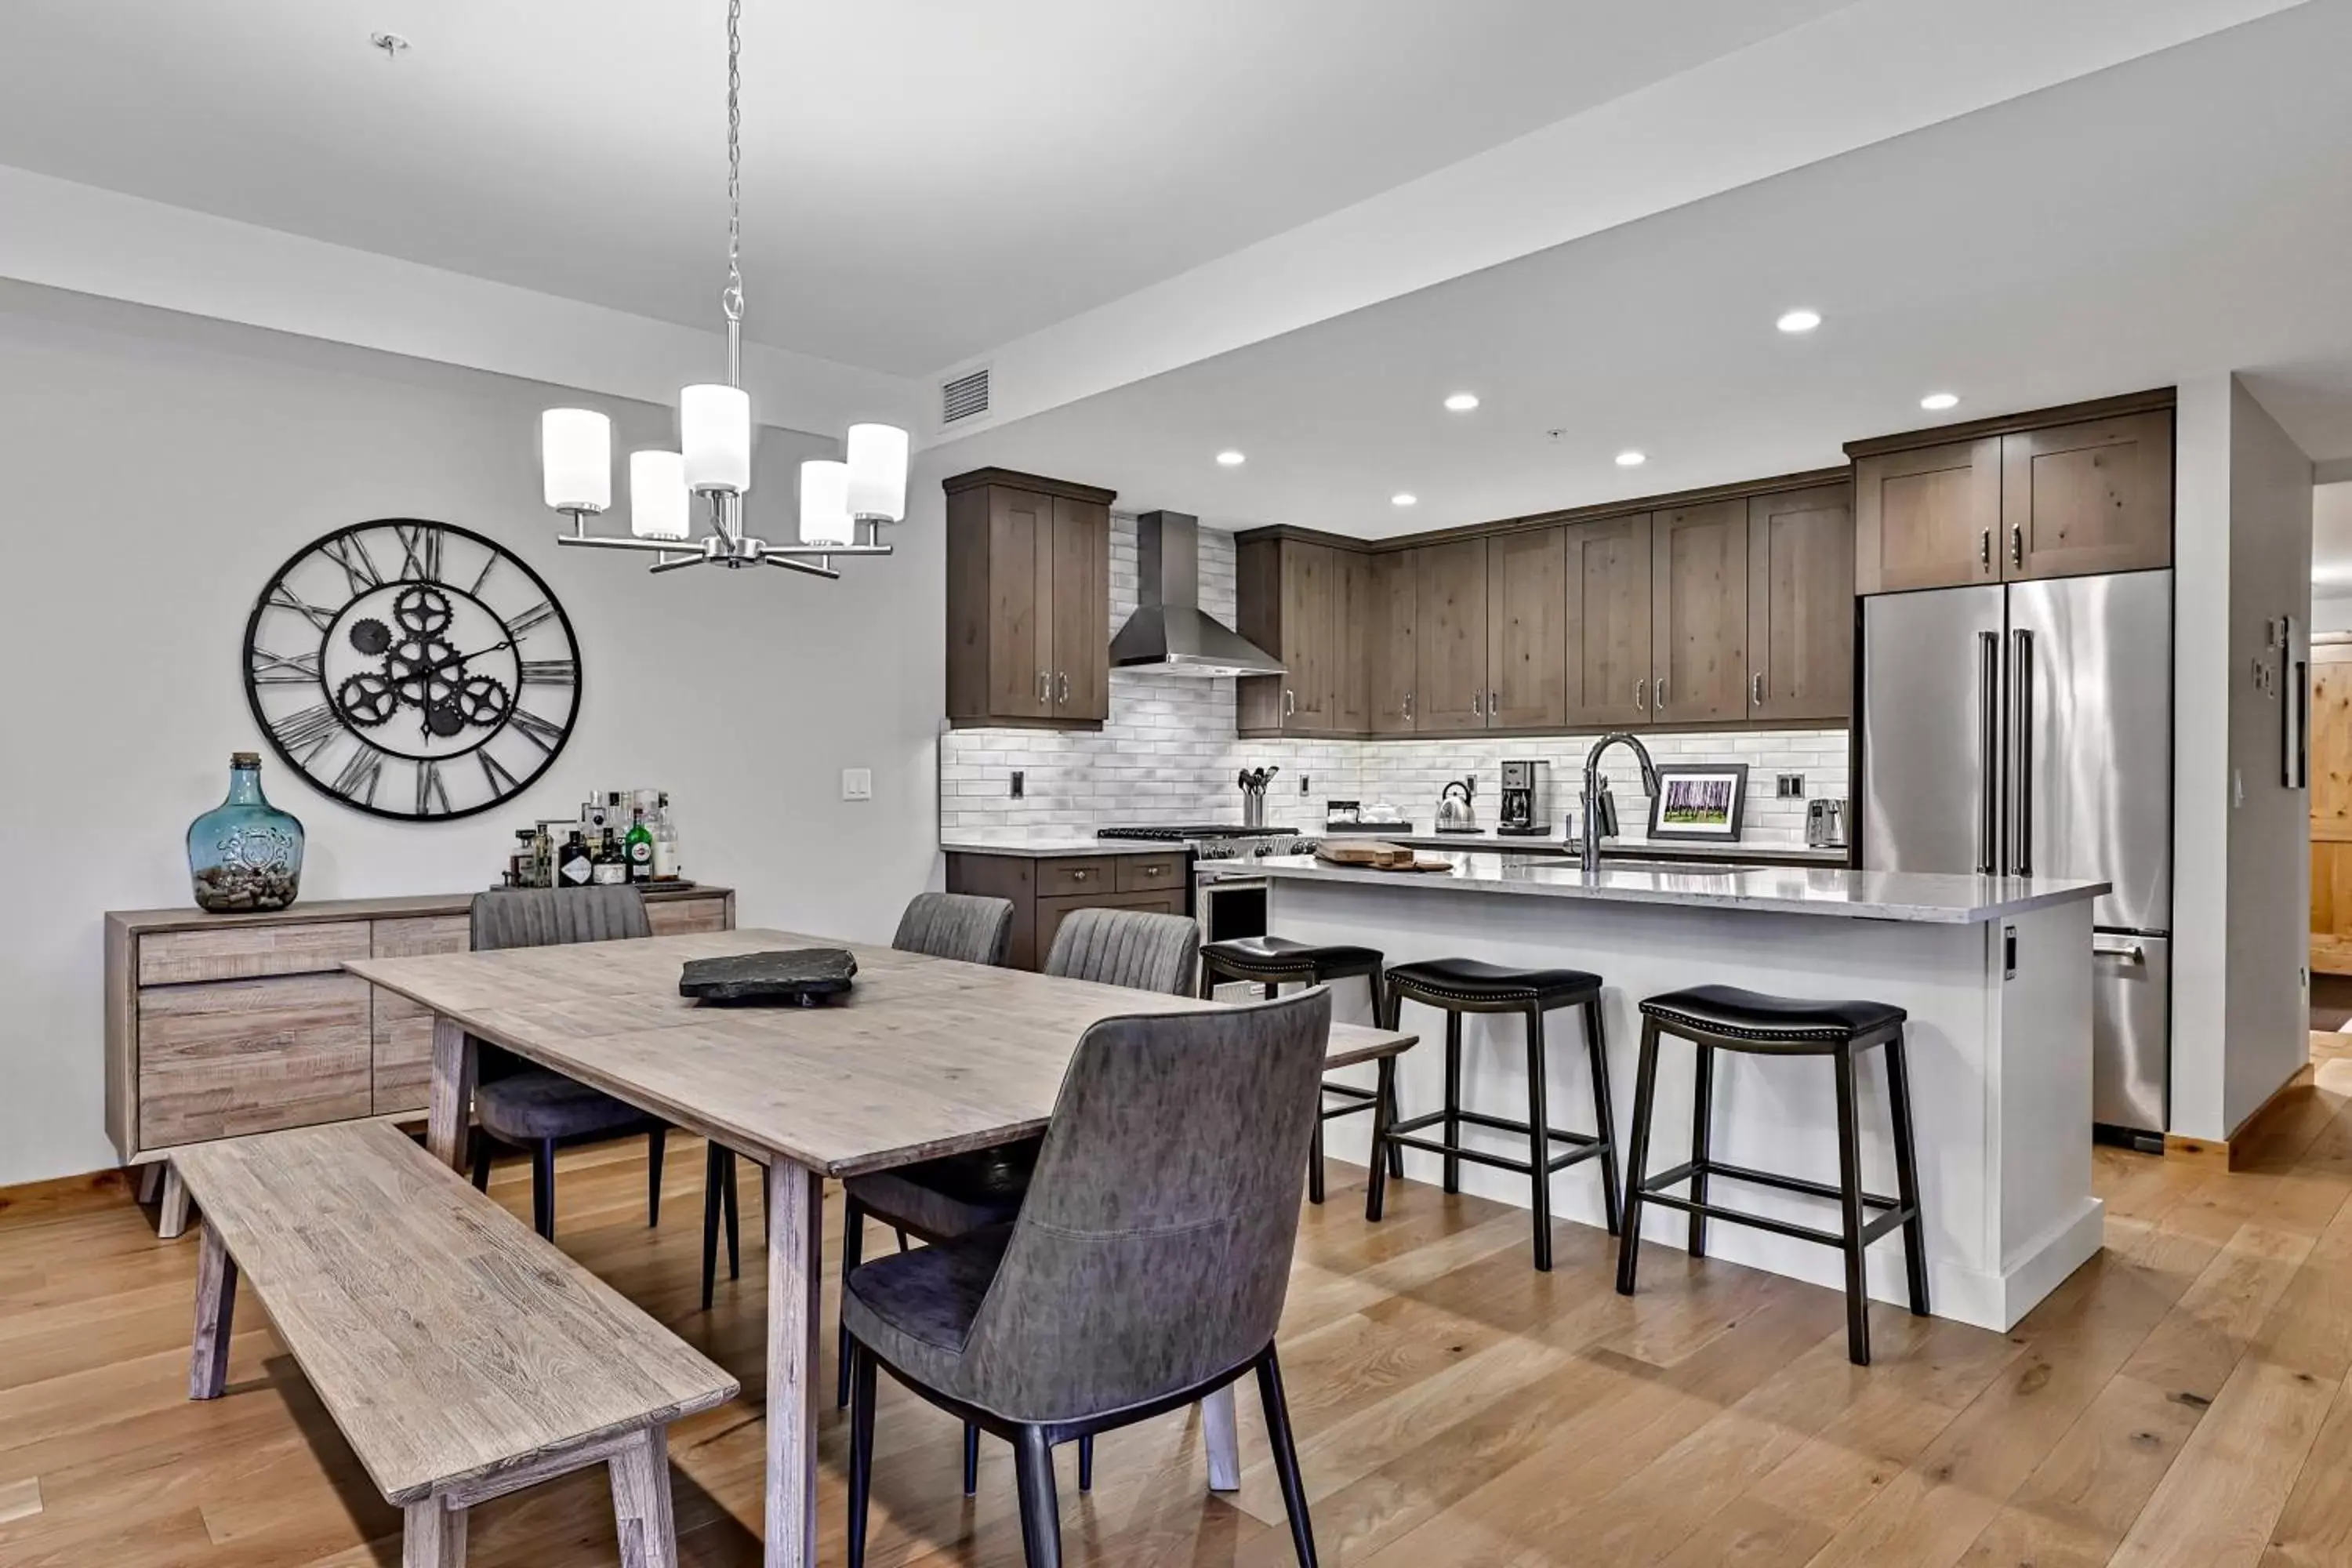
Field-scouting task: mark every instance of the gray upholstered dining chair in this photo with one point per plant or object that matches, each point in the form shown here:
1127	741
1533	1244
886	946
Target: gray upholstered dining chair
531	1108
937	925
956	1194
1146	1268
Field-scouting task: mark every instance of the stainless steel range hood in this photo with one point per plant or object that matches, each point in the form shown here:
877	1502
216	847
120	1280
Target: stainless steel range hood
1168	632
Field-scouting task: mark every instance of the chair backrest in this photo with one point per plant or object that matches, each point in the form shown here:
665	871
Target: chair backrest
1128	947
1152	1252
552	916
956	925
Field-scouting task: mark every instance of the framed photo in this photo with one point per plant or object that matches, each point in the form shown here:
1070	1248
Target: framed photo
1700	802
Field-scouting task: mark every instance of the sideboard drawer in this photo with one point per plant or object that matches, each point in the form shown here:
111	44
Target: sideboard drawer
250	952
229	1057
403	1031
1063	876
681	917
1150	873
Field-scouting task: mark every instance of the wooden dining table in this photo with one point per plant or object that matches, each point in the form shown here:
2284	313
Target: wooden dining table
924	1057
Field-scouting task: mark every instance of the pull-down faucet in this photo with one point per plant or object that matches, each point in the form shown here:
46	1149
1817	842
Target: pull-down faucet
1596	803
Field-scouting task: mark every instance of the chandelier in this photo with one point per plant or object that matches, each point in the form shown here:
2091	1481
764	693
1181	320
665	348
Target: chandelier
843	504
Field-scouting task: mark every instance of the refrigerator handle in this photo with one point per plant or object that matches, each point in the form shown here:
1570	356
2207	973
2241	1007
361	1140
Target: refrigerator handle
2021	739
1989	753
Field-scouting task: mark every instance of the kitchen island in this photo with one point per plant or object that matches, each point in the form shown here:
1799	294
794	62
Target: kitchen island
1994	972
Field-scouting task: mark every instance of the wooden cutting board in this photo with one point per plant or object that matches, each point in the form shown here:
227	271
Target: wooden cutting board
1377	856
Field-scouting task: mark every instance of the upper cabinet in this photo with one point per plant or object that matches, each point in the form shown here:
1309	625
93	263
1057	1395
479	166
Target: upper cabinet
1307	603
1606	572
1800	605
1526	630
1391	661
1450	635
1028	594
2050	495
1698	613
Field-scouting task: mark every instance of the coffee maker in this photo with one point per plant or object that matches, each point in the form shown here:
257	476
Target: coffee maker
1525	808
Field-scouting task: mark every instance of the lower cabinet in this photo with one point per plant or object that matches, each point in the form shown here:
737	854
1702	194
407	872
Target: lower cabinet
1046	890
220	1025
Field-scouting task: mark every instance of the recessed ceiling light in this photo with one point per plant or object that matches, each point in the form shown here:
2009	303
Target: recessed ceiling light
1462	402
1631	459
1231	458
1403	497
1798	321
1936	402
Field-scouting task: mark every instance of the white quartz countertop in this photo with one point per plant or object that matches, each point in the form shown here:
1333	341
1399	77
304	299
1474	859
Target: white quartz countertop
1910	896
1487	839
1058	848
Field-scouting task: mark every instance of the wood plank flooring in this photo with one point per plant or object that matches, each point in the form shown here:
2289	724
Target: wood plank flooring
2186	1398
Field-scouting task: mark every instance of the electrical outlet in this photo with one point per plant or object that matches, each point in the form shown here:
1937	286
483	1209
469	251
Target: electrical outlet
857	783
1788	787
1017	778
1302	783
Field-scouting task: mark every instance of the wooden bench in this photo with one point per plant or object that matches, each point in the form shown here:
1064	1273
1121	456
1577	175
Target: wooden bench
463	1357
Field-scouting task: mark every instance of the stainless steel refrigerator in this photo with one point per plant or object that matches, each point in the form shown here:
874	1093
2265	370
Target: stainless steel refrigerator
2026	730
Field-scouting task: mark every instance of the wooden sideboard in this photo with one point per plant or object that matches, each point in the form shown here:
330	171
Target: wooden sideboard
218	1026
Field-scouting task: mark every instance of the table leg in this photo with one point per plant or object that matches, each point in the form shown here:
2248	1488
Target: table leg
450	1104
796	1213
1225	1441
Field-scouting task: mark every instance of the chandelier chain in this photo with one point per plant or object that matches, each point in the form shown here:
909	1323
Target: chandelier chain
732	299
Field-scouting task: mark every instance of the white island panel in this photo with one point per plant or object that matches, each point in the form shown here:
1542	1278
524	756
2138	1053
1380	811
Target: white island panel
2000	1063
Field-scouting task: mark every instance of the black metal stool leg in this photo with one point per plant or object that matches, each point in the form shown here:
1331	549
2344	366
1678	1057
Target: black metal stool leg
853	1253
1857	1294
1376	1185
542	1189
1208	981
1381	1016
1645	1090
1538	1139
1452	1123
1315	1155
1907	1174
1702	1142
1596	1045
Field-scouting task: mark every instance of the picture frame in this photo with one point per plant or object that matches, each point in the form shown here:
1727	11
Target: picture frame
1707	802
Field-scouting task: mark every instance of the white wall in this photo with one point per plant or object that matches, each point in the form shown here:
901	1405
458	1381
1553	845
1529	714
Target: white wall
154	469
2241	840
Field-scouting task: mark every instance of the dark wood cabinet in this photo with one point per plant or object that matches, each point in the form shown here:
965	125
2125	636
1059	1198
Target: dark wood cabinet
1301	601
1046	890
1606	573
1028	590
1927	518
1698	613
2091	497
1390	661
1800	605
1450	635
1351	636
1527	636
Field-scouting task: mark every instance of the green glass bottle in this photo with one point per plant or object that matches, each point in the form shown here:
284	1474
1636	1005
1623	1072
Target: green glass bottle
639	844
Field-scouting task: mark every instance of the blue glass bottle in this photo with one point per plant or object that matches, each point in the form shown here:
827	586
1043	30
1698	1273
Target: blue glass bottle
245	855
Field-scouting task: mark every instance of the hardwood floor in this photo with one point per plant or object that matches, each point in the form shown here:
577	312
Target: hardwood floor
2182	1399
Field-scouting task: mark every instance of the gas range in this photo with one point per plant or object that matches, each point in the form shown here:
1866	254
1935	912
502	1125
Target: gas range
1218	840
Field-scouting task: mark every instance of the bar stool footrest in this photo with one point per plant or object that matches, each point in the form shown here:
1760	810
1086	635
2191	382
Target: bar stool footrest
1891	1220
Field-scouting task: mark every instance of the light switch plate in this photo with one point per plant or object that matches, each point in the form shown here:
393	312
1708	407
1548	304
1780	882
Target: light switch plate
857	783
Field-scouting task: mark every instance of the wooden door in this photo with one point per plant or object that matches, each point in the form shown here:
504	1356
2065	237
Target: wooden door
1019	604
1081	617
1307	686
1351	634
1800	605
2095	497
2331	804
1391	658
1606	576
1698	613
1450	636
1527	636
1927	518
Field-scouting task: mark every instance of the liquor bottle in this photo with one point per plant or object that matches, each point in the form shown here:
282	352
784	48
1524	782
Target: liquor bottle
639	845
577	868
610	868
665	841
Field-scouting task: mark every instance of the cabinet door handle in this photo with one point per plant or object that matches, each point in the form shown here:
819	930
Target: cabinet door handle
1080	875
1658	692
1642	695
1044	687
2017	547
1065	695
1154	870
1494	705
1408	705
1984	547
1476	711
1289	702
1759	688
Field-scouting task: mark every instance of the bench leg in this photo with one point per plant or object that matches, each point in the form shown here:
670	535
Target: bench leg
433	1535
216	1305
172	1217
641	1515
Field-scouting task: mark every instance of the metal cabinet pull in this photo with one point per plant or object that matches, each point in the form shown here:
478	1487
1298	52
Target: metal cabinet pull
1080	874
1289	702
1064	696
1044	686
1642	695
1759	688
1475	712
2017	547
1658	693
1408	705
1494	705
1984	547
2119	947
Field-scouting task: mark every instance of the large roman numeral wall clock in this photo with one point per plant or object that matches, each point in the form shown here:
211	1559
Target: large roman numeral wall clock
411	669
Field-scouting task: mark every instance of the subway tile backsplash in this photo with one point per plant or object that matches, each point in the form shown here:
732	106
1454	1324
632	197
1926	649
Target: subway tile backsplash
1168	754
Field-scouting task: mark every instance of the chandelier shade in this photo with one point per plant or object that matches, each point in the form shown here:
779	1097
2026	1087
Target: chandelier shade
714	425
657	495
576	458
824	503
878	473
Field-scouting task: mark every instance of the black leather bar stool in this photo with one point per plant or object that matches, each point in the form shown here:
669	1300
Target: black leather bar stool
1273	961
1460	985
1721	1017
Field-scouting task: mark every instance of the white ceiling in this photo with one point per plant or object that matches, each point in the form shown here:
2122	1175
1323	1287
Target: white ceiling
936	178
2185	213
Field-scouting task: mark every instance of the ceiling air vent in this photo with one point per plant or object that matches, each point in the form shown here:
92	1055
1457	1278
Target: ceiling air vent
965	397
